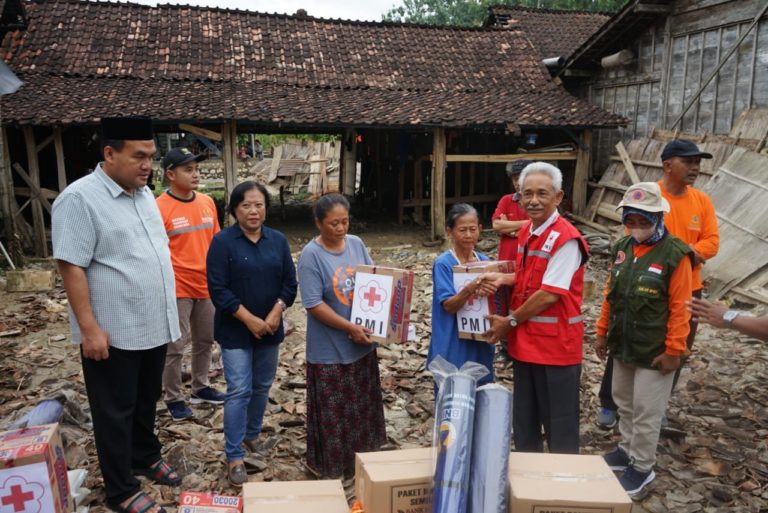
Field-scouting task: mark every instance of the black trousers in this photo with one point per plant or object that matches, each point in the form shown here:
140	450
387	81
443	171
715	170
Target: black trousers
123	391
546	396
606	398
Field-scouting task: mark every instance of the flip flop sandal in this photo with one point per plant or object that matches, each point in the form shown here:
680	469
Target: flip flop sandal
141	503
160	473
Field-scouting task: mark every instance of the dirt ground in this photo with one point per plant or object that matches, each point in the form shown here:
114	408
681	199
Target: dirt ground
713	457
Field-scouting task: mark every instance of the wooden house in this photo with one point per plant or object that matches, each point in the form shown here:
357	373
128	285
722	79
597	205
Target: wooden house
431	114
690	66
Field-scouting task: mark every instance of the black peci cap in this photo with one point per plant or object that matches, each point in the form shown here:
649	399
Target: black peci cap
126	129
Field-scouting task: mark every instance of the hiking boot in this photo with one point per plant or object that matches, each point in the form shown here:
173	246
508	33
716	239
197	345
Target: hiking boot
617	459
207	395
179	411
607	418
633	481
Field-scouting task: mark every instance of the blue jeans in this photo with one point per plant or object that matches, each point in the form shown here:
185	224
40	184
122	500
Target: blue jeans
249	374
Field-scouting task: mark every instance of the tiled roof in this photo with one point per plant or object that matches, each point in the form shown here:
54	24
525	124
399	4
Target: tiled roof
85	60
553	32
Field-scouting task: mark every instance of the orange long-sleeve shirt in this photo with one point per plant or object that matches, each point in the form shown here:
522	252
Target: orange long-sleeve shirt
692	219
679	316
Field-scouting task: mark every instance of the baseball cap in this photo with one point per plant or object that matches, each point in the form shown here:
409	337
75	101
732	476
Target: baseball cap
180	156
516	167
645	196
683	148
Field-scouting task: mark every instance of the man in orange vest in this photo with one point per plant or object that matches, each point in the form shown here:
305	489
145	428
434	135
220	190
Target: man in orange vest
546	313
691	219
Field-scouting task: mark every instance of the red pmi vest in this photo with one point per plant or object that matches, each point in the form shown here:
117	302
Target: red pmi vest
554	336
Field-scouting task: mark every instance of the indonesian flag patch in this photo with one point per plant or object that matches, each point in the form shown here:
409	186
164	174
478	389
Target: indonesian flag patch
656	268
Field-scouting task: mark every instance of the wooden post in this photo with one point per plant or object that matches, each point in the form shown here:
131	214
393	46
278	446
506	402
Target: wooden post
6	192
418	191
40	239
437	195
60	169
400	193
229	133
581	176
349	162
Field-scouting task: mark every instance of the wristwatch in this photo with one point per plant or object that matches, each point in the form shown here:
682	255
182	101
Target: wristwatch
282	304
512	321
729	316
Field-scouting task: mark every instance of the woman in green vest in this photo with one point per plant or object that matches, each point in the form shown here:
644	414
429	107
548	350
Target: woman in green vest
643	326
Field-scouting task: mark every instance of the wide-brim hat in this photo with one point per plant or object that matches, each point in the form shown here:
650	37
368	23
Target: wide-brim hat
645	196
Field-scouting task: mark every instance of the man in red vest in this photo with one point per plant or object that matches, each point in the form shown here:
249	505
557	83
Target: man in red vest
546	314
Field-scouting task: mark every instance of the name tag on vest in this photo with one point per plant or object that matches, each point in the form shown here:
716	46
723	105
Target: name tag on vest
550	242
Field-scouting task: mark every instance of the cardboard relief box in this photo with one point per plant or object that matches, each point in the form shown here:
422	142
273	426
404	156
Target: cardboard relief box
295	497
33	472
564	483
470	318
395	481
207	502
382	302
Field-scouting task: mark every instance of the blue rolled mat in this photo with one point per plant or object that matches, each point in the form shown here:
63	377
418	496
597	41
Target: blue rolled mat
455	412
491	439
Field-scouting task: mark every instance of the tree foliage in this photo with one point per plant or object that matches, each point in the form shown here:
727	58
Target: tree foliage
472	13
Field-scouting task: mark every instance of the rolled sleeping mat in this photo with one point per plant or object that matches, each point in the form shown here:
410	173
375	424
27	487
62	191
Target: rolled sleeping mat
455	413
491	441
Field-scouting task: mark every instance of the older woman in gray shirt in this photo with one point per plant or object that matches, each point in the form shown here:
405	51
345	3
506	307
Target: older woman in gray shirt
345	412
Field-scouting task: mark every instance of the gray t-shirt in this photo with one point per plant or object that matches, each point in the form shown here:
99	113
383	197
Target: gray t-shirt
327	277
120	241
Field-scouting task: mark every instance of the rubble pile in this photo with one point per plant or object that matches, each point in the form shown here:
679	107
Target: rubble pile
713	455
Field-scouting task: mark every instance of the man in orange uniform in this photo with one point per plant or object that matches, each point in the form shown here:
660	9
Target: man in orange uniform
190	222
691	219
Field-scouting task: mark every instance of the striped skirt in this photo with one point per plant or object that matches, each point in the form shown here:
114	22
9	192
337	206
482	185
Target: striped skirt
345	414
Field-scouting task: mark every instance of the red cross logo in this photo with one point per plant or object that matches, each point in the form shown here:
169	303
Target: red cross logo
371	296
17	498
21	495
473	304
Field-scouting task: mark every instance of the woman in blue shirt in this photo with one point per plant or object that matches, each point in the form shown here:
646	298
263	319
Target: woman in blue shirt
345	412
252	280
463	228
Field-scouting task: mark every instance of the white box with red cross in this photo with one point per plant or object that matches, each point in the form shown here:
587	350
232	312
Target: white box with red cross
470	319
382	302
33	472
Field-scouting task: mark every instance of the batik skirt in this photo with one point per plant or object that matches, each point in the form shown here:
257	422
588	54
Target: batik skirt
345	414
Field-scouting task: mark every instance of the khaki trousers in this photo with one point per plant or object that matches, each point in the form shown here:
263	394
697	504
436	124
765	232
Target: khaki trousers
196	323
642	396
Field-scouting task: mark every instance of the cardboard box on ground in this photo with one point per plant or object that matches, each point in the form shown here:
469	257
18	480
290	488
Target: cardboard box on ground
294	496
400	481
470	318
564	483
207	502
394	481
382	302
33	472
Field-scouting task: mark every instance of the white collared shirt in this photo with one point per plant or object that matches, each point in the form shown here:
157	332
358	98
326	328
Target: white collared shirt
564	262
